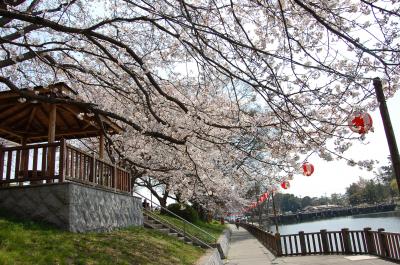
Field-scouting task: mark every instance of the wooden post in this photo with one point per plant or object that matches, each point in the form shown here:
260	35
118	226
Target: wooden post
115	177
51	139
23	167
387	124
1	162
324	241
302	243
92	177
52	123
369	241
383	243
278	244
346	241
101	146
63	149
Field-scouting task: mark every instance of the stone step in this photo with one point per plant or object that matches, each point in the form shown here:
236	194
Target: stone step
164	230
158	225
154	224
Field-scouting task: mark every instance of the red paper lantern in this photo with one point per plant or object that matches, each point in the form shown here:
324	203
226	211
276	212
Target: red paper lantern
285	185
360	122
308	169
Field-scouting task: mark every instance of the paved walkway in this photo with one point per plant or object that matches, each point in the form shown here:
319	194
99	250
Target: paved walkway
246	250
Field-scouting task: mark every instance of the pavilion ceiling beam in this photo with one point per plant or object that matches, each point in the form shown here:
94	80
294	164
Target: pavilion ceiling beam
30	119
19	118
60	115
78	134
10	132
73	114
42	117
4	115
5	105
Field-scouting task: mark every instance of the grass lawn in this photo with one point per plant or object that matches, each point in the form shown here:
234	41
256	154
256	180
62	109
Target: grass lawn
214	228
24	242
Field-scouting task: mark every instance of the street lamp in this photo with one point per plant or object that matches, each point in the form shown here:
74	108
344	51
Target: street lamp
394	152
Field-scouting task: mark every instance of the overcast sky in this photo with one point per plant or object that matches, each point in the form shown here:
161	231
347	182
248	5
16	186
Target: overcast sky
335	176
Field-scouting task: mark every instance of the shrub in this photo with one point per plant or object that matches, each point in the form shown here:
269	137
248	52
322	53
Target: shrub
187	213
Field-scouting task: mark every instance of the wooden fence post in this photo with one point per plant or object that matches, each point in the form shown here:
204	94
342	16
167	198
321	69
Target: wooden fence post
278	245
369	240
130	182
383	243
61	177
93	171
1	162
346	241
302	243
115	177
324	241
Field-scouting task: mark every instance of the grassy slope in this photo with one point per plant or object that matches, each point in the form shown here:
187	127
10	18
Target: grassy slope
24	242
214	228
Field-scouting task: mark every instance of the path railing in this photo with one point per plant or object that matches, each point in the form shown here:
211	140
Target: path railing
269	240
58	162
187	228
379	243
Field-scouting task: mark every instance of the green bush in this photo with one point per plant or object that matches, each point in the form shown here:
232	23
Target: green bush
187	213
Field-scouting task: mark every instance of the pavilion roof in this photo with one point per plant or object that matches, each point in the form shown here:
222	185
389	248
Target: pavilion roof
30	120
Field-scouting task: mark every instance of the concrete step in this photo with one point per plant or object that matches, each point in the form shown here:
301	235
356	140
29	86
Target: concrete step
158	226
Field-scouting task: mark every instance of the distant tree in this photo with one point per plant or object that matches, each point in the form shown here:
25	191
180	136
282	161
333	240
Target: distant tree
337	199
369	191
288	202
394	189
354	194
306	201
385	175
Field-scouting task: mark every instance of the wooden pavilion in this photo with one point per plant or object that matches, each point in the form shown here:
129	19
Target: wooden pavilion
39	153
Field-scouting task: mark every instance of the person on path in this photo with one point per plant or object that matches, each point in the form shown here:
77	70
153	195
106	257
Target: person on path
237	223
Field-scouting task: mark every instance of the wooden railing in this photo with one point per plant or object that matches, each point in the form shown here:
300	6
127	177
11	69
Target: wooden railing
269	240
58	162
33	163
379	243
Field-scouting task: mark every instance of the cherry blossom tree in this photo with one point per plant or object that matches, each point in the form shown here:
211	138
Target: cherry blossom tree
214	95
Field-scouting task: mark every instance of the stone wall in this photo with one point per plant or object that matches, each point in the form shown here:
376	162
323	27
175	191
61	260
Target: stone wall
73	206
224	242
211	257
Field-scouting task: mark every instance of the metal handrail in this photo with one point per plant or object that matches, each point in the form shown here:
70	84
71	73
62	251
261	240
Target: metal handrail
177	216
185	233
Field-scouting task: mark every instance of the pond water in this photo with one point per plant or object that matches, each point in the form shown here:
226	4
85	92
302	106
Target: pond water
390	221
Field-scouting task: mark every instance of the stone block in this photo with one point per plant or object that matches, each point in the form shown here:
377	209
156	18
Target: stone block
73	206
